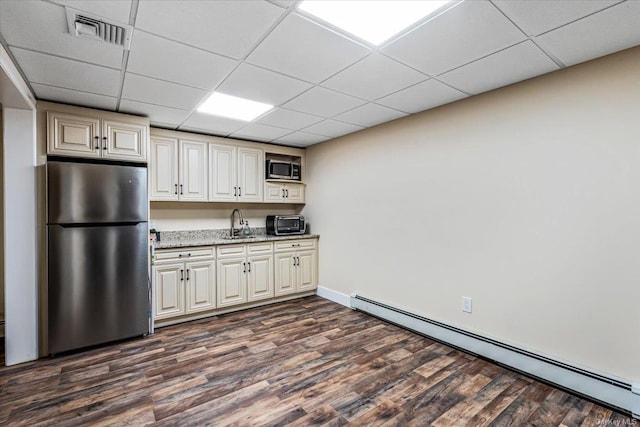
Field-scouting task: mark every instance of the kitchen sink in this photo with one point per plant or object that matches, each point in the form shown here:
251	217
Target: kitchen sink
238	237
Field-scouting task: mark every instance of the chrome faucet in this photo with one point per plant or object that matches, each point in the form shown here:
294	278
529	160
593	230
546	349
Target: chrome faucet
233	231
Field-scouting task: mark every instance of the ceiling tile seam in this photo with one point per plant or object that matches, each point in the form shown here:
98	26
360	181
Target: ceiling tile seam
64	57
406	65
550	55
160	36
123	73
482	57
75	90
146	76
376	101
6	46
334	117
239	62
419	24
333	29
581	18
133	13
319	134
529	37
154	105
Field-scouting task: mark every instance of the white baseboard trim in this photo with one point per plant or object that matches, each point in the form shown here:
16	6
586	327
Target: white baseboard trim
334	296
609	390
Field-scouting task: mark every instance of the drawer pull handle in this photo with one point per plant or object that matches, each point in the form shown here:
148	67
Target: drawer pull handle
287	191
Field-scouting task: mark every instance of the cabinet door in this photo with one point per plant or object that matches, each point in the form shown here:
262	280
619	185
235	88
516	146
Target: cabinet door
260	277
274	192
294	193
193	171
70	135
232	282
250	174
163	169
200	286
285	274
223	184
124	141
169	290
306	270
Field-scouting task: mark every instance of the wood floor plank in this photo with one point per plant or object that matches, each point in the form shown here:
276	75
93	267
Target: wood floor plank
302	362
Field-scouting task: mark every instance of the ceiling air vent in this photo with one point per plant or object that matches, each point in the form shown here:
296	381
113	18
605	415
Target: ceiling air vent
93	27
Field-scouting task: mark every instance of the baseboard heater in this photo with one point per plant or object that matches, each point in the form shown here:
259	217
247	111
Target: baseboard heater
608	390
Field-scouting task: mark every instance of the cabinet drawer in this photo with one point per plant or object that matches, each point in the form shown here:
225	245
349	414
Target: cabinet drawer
289	245
259	248
183	254
226	251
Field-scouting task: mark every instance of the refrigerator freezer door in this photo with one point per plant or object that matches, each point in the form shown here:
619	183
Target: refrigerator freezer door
83	193
98	285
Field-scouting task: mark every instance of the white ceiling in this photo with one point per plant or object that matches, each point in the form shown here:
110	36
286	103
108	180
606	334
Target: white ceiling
324	83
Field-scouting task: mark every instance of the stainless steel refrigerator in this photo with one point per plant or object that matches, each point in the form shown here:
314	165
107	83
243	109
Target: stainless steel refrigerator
98	287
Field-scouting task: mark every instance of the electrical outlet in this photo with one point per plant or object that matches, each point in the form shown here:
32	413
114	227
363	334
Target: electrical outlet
466	304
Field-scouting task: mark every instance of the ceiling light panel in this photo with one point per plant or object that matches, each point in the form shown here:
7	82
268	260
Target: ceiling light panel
233	107
374	21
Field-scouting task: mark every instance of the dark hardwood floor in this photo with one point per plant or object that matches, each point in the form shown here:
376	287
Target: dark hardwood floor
304	362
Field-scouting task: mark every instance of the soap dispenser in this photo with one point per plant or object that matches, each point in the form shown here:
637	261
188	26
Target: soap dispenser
246	231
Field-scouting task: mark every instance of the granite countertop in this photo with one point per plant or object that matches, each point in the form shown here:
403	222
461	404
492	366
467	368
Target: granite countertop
190	238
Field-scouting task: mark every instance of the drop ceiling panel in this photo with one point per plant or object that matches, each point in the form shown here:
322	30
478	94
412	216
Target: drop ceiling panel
43	27
262	132
215	124
229	28
609	31
373	77
517	63
68	96
288	119
300	48
164	59
301	139
369	115
539	16
422	96
332	128
160	92
110	9
258	84
156	113
67	73
463	34
323	102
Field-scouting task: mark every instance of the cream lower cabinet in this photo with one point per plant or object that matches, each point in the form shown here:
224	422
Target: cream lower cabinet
275	192
184	282
296	266
245	273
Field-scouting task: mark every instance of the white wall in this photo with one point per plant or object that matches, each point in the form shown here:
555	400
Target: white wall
20	235
174	216
526	199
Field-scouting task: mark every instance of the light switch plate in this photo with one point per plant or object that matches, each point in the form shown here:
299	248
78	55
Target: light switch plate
466	304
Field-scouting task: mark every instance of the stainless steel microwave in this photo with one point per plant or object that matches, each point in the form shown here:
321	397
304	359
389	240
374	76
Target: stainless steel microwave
282	170
279	225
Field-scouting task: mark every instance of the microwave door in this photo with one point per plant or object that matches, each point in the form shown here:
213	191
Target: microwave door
280	170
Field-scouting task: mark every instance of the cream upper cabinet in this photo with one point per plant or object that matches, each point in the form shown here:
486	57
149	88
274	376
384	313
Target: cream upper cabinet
193	171
236	173
93	137
276	192
178	170
223	173
163	169
250	174
124	141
